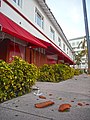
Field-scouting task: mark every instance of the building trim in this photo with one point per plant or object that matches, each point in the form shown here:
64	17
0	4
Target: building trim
24	17
52	18
77	38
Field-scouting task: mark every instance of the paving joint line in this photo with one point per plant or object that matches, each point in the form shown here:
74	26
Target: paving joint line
28	113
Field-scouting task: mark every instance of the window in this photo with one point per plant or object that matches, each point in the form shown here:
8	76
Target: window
83	59
39	19
0	3
63	46
67	50
59	40
14	1
73	43
77	43
18	2
42	50
83	63
52	34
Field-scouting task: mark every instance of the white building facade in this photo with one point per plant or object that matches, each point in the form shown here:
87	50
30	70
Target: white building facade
76	44
31	25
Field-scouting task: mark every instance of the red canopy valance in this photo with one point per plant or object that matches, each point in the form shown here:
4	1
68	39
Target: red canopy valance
10	27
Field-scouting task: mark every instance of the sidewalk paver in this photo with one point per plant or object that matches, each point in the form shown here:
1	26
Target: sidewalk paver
72	91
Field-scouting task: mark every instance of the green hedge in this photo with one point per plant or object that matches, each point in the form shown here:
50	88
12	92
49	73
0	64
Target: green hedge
62	72
78	72
55	73
46	73
16	78
6	81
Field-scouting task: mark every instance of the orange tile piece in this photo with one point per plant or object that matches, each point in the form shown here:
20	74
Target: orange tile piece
80	104
42	97
64	107
44	104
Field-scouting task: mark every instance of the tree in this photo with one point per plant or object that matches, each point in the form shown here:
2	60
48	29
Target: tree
82	53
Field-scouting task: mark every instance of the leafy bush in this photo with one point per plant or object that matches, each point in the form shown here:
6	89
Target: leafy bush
63	72
6	81
46	73
16	78
78	72
55	73
25	74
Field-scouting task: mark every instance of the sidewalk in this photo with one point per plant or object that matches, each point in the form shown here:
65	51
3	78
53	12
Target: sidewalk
72	91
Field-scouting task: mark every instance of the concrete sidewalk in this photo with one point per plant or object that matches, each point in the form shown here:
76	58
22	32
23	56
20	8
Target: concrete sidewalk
72	91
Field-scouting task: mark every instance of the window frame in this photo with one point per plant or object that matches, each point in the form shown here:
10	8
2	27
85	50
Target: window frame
64	47
52	33
39	19
59	41
67	50
73	43
14	1
18	2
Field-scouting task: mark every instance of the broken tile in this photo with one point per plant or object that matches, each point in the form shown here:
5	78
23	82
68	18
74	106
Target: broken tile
42	97
44	104
80	104
64	107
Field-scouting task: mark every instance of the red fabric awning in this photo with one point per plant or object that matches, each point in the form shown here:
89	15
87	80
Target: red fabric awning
10	27
51	50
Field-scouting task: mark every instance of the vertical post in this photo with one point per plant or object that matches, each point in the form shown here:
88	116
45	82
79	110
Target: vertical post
87	32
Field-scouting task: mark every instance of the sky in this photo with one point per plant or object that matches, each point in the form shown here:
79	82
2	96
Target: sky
69	14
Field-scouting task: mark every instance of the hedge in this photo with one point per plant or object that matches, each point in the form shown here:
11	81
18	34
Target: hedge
46	73
78	72
16	78
55	73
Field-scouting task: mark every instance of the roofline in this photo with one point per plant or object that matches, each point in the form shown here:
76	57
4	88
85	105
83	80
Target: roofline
52	18
77	38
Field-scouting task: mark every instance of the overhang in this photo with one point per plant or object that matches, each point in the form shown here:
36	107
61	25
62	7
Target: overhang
52	50
10	27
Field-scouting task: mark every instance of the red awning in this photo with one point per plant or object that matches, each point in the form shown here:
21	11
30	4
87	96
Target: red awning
51	50
10	27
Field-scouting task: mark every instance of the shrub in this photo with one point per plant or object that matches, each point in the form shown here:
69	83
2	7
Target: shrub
16	78
55	73
72	72
77	72
25	75
46	73
6	81
63	72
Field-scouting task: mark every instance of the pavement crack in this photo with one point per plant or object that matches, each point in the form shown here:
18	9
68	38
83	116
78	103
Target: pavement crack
41	116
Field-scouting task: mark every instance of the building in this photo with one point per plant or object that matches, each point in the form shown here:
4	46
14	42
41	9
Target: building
29	29
76	44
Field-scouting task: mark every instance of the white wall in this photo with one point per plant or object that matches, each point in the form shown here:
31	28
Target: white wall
83	64
28	10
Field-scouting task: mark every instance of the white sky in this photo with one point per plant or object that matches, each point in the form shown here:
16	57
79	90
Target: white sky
69	14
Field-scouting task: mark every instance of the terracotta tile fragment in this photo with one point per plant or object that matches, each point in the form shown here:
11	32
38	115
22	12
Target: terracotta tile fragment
50	94
80	104
87	104
42	97
44	104
64	107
